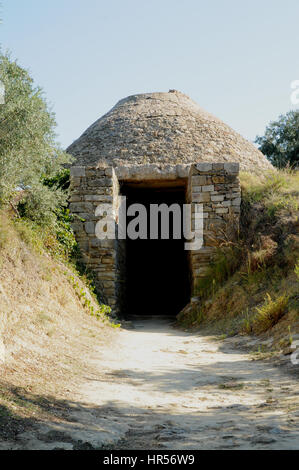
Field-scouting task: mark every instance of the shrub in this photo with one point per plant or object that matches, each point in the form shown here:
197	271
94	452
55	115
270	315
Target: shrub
281	140
29	153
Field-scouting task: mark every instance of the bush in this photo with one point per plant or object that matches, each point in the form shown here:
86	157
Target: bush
29	154
281	140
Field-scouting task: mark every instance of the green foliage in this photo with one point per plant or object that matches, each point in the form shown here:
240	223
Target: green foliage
99	313
63	229
297	270
246	322
260	189
276	190
45	238
29	154
281	141
60	180
61	218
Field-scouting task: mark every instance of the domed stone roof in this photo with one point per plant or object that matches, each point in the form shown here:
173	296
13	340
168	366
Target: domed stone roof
163	128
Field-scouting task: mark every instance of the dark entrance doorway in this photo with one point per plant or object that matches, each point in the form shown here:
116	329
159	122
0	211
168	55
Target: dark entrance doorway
157	280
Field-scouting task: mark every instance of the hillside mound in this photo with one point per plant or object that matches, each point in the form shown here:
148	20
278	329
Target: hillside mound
50	321
252	286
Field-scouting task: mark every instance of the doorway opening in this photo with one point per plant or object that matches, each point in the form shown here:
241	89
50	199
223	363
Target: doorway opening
156	275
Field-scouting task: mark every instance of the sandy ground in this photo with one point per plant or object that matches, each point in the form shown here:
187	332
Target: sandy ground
160	388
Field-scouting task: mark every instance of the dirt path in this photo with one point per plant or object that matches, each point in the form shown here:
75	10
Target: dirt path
160	388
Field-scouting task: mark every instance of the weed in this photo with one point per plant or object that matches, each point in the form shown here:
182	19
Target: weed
99	313
224	264
290	335
231	386
246	324
269	313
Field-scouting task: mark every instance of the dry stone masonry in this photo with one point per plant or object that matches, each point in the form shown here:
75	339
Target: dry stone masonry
214	185
154	139
166	128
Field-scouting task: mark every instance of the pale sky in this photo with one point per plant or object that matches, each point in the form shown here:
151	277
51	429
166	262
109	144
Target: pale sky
236	58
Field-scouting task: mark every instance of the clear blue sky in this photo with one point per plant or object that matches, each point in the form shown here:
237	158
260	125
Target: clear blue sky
236	58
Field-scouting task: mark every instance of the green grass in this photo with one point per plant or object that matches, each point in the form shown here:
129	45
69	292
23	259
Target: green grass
276	190
270	313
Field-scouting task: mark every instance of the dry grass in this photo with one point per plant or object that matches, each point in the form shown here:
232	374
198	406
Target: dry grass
270	313
265	259
46	334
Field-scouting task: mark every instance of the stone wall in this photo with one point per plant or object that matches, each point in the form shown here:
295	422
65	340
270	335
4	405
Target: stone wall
89	188
215	185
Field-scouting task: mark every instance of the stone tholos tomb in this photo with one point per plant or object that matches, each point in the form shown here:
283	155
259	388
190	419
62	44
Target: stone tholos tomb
154	149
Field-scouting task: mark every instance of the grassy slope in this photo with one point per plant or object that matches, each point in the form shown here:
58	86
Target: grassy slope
252	287
46	329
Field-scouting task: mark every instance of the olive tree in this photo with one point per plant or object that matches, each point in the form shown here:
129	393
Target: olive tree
29	153
281	141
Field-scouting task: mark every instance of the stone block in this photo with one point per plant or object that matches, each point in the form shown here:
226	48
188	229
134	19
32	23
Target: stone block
77	171
208	188
204	167
218	166
217	198
77	226
92	198
81	207
201	197
107	260
75	182
234	194
236	202
218	179
89	227
100	182
199	180
182	170
232	168
108	171
75	198
90	173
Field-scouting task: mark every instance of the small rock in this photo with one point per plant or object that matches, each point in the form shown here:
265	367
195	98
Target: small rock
263	440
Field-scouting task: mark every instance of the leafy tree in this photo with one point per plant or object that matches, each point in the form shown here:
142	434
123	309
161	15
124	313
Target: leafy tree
29	154
281	140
